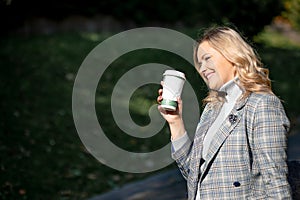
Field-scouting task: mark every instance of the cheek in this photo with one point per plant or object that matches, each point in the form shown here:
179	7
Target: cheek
222	72
219	70
210	64
227	73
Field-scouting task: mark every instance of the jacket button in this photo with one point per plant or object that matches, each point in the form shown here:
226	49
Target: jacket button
236	184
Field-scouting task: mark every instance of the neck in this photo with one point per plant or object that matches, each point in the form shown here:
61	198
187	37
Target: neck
230	90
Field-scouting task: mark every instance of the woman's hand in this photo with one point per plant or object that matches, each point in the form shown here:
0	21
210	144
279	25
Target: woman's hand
174	118
170	116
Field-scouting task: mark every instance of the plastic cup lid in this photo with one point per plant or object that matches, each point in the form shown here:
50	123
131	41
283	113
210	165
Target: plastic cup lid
174	73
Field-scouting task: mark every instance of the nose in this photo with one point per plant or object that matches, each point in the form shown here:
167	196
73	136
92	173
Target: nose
202	67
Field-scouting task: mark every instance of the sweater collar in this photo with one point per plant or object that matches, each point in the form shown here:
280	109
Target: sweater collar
231	90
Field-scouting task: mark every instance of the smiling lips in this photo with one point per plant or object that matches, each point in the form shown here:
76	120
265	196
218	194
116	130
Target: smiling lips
208	75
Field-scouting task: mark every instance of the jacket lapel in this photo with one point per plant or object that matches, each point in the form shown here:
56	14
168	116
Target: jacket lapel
225	130
203	126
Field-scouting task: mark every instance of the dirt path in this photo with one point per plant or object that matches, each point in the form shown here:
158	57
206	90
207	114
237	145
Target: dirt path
163	186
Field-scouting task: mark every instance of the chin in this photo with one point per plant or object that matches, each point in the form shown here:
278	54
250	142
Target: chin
214	88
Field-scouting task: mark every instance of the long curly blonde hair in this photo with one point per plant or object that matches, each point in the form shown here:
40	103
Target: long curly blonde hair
253	77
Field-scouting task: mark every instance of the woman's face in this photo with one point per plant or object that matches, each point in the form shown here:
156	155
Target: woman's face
214	68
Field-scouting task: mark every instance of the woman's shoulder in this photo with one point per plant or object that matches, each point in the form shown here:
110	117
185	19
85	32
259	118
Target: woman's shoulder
263	99
266	105
263	96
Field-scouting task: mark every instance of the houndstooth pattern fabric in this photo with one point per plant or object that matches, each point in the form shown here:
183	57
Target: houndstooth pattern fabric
247	157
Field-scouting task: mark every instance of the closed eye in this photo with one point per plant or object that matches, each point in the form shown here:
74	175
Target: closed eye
207	58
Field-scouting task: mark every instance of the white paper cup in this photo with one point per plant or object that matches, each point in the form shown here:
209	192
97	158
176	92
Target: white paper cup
172	88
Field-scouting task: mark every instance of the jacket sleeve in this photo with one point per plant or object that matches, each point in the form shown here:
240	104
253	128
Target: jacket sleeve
185	154
182	157
270	129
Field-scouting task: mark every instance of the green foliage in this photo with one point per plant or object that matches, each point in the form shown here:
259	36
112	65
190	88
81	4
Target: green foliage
250	16
292	12
271	38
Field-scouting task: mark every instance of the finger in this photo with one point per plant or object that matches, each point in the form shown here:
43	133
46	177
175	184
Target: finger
161	83
161	110
179	101
166	112
159	99
160	91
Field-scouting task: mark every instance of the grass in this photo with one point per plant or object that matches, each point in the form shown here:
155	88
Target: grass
42	156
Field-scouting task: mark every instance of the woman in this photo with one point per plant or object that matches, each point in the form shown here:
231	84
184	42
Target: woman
239	148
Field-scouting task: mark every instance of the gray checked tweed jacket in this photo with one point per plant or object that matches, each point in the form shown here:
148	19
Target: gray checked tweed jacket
247	157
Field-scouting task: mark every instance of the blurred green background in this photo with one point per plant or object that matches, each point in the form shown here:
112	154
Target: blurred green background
43	44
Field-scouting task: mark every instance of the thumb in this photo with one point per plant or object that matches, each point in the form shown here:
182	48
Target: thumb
179	101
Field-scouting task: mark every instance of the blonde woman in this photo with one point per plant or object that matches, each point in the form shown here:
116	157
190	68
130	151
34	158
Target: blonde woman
239	148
